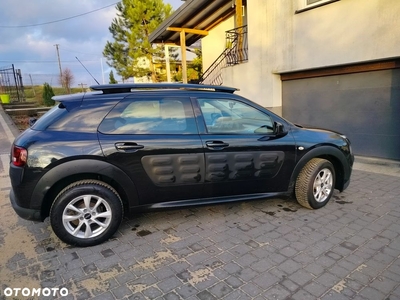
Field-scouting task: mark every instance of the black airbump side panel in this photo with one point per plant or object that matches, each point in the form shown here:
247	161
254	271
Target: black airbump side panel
239	166
174	169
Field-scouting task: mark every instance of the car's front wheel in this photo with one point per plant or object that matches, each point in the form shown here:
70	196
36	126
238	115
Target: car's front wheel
86	213
315	183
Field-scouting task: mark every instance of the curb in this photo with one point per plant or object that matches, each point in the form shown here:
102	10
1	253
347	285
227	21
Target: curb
9	122
377	165
378	161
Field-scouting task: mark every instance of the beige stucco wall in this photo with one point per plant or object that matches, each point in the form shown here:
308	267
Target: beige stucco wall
343	32
213	44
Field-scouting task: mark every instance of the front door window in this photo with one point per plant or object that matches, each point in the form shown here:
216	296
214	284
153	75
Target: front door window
225	116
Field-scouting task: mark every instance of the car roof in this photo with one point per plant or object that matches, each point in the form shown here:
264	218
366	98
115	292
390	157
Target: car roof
120	91
129	87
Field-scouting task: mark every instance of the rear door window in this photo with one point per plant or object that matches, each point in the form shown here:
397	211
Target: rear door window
151	116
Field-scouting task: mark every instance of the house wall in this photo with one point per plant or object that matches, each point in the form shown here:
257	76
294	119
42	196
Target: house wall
214	43
343	32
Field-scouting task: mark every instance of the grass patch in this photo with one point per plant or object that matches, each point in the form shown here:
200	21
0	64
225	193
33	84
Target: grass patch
35	93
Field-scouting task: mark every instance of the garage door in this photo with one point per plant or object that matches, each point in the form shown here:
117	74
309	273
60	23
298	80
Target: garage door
365	106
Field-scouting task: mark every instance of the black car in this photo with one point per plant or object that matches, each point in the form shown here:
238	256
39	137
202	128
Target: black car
98	155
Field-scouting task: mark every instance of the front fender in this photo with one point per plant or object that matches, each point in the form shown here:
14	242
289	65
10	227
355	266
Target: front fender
77	168
342	164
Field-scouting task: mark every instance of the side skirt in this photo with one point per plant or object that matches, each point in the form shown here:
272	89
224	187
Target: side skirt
209	201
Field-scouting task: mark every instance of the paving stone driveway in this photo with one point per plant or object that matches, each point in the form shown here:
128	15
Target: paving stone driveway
269	249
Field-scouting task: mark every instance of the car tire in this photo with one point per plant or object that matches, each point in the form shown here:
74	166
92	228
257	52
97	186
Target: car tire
86	213
315	183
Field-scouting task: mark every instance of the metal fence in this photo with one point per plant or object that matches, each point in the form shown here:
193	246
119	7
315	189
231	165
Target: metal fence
40	79
11	83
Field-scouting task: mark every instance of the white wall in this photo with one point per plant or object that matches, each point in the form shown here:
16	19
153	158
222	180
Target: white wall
343	32
213	44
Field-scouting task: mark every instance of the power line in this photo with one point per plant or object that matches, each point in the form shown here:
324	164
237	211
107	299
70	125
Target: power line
50	22
44	61
73	51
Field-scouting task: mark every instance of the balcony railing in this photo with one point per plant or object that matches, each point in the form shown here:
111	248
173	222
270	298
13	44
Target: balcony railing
237	39
236	51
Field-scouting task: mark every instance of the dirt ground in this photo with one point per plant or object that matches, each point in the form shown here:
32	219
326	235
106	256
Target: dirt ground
22	121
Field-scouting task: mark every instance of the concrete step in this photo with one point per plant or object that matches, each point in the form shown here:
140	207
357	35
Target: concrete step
13	106
26	111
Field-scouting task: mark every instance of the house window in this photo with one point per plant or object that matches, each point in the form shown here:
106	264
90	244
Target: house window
309	2
305	5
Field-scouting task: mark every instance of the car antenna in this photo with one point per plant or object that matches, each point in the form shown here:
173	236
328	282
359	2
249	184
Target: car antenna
87	70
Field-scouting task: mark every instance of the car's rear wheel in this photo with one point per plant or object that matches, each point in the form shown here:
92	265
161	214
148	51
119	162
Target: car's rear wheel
315	183
86	213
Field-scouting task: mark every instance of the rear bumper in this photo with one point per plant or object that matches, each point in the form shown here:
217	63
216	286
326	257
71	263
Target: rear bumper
24	213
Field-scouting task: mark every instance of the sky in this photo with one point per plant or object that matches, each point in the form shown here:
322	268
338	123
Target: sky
32	49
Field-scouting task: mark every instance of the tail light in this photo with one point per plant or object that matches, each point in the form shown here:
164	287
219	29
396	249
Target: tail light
19	156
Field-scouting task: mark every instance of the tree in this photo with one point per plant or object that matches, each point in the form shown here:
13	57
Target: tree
131	54
112	78
197	63
194	69
66	80
48	93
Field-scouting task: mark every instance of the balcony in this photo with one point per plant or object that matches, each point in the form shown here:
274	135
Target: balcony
236	52
237	40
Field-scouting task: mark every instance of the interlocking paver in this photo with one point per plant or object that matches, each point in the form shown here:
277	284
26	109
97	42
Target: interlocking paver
121	291
277	292
303	295
206	295
371	293
301	277
220	290
247	274
187	291
234	282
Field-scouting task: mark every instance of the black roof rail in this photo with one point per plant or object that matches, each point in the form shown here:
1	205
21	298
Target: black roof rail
128	87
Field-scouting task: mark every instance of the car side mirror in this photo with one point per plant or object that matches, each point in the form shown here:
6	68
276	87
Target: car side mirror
279	129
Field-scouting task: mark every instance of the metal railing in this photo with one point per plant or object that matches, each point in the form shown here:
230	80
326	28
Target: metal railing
11	83
236	51
238	38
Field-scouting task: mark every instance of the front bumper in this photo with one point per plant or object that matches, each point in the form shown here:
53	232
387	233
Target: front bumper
24	213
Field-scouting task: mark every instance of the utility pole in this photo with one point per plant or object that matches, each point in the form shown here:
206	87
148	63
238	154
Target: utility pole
59	65
82	84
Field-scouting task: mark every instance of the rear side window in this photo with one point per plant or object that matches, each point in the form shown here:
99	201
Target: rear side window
79	116
54	114
150	116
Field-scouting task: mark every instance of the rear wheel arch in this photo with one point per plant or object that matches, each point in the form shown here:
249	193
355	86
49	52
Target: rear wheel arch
60	185
86	213
55	180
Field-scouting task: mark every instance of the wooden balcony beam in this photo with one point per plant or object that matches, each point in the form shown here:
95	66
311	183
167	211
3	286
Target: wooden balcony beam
188	30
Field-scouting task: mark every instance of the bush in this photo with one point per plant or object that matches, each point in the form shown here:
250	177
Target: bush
48	93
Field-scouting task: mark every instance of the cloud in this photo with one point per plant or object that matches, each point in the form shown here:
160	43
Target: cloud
32	49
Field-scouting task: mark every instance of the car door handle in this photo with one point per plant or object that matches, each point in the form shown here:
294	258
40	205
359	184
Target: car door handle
217	145
128	146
